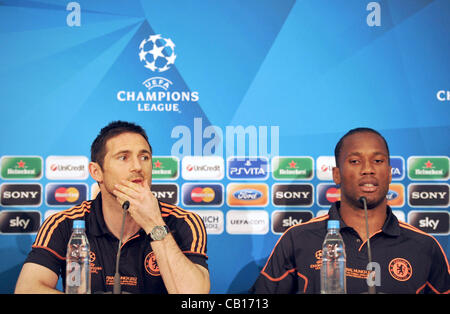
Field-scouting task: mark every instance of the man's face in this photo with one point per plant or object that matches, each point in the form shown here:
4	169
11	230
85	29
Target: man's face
363	170
127	157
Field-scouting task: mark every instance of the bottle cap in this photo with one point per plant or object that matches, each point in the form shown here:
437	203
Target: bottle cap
333	224
78	224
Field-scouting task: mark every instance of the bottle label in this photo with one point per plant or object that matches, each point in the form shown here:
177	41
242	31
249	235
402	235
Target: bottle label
73	274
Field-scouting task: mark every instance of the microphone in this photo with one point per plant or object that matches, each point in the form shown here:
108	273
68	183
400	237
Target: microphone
117	287
363	200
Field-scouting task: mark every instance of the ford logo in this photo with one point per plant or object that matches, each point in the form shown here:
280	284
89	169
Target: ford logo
247	194
392	195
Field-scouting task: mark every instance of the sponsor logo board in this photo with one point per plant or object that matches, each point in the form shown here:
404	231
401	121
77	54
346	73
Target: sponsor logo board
292	194
433	222
283	220
213	220
24	194
65	194
202	168
292	168
66	167
247	222
428	167
21	167
250	195
247	168
167	192
428	194
202	194
17	222
165	168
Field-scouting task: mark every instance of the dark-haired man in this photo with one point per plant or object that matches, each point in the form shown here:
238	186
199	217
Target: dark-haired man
409	260
164	246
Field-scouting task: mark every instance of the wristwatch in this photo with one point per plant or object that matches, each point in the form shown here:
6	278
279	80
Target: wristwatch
159	232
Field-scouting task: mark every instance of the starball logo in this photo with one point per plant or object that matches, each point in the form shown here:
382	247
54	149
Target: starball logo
161	94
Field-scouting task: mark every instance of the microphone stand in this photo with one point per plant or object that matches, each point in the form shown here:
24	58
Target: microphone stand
117	289
363	200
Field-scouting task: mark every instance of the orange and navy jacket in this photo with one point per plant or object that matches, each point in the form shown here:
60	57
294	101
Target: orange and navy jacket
138	269
410	260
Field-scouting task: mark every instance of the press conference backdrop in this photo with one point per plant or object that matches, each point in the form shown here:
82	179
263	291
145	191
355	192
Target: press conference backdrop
276	83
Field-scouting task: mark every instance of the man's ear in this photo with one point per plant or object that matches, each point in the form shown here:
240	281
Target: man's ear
336	175
96	171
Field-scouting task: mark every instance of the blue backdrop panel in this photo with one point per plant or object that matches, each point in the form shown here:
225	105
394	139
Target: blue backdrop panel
294	75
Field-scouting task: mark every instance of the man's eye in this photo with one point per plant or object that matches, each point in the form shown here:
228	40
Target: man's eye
379	161
354	161
122	158
145	158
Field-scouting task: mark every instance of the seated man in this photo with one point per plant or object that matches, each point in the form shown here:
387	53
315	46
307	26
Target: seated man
174	261
410	260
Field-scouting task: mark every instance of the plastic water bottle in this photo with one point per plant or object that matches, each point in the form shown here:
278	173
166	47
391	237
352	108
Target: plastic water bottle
332	272
78	274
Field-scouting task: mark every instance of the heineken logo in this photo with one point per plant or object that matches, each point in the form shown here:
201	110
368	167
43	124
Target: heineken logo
292	168
428	168
165	168
21	167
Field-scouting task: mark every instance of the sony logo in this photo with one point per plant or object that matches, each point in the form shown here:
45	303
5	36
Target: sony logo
428	195
163	194
19	194
291	195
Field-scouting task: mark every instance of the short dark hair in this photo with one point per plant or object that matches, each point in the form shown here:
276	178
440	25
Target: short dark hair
98	147
338	148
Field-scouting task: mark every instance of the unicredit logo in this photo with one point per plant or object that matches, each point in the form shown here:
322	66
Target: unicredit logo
202	168
56	167
67	167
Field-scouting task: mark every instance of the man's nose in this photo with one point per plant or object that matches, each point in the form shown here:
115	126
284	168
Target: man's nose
136	164
367	168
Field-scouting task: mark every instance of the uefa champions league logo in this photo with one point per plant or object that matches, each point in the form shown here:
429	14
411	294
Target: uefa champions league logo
162	95
157	53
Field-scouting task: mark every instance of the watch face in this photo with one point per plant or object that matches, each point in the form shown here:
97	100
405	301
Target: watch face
158	233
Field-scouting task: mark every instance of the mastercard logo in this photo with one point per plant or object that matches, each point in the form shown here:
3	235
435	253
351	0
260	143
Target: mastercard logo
333	194
65	194
202	194
206	195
